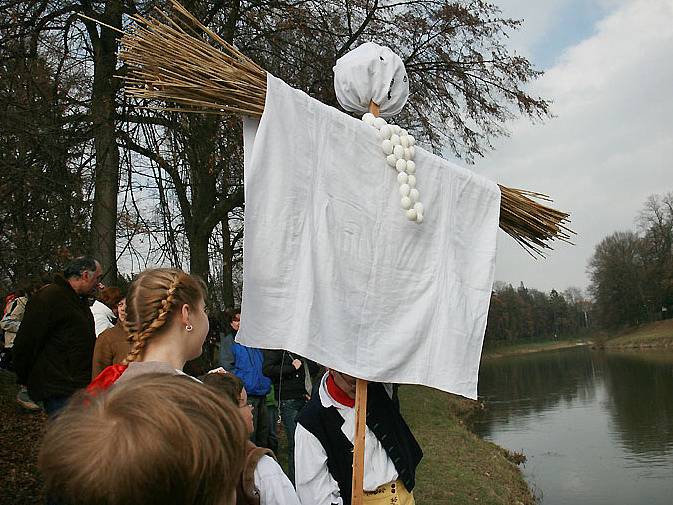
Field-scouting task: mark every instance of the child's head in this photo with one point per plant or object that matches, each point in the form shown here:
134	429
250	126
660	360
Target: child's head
232	387
110	296
156	439
162	299
233	318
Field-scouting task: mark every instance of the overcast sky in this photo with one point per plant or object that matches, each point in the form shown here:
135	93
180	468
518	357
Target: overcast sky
609	71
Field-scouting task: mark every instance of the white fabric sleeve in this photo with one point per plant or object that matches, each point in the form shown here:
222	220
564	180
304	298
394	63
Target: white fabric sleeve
102	316
273	485
315	485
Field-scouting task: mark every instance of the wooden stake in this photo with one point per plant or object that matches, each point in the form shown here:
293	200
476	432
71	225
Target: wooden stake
357	492
357	488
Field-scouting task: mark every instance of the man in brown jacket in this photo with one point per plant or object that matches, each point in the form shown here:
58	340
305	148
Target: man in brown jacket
54	344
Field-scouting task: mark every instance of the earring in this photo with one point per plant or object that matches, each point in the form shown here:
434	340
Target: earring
189	327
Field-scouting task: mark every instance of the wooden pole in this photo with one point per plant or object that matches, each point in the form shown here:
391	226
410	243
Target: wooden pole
357	489
357	492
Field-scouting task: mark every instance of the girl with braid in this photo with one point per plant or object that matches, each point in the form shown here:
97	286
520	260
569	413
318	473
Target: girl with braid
167	325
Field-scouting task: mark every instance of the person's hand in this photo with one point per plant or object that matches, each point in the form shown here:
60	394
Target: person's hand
296	363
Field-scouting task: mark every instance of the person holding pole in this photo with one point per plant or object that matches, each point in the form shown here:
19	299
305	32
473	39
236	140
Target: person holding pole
324	444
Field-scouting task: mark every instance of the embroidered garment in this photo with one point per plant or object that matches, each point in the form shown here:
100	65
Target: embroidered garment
330	254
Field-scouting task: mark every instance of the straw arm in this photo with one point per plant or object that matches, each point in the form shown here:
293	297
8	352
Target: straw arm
176	59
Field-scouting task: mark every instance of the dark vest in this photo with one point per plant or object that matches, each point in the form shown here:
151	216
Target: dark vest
383	419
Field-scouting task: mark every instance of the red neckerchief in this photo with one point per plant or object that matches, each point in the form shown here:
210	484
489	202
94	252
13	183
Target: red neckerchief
338	394
105	379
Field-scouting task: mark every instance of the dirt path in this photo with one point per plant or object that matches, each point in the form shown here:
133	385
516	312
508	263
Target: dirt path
20	435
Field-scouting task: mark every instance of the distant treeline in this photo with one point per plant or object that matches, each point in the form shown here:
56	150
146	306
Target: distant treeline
631	277
528	314
632	272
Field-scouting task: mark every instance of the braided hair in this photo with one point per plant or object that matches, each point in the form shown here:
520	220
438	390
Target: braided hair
153	298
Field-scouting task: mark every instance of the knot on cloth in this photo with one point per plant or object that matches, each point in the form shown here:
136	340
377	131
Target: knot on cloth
371	72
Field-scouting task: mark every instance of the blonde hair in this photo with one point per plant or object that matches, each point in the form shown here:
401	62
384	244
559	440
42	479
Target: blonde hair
151	301
155	439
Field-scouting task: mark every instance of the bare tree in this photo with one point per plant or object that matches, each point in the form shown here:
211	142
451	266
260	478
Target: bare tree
656	225
43	162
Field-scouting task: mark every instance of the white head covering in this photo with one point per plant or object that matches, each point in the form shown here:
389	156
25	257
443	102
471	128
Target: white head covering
371	72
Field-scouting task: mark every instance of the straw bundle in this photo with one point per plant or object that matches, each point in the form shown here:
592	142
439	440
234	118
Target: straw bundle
178	60
170	59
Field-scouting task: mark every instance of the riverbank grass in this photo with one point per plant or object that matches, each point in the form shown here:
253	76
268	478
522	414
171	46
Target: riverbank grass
654	335
530	347
458	467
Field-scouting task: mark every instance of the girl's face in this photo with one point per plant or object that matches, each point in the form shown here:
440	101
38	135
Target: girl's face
121	310
235	322
246	410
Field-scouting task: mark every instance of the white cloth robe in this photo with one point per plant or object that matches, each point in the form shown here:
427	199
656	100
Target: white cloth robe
335	272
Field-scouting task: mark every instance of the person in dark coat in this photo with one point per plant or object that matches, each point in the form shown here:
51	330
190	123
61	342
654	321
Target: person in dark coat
291	377
232	317
54	345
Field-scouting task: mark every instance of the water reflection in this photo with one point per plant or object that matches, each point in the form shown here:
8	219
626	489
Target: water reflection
597	427
523	385
640	387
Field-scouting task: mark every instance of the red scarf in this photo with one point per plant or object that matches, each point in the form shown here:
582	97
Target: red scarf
338	394
105	379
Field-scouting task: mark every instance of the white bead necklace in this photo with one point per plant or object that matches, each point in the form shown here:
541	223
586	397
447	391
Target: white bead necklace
398	148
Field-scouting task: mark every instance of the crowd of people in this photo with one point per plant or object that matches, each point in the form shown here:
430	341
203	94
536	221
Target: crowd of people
150	400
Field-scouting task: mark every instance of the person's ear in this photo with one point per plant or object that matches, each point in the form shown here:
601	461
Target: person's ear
184	312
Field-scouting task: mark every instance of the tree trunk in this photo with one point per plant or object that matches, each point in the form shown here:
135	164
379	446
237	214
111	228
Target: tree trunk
198	254
227	274
105	86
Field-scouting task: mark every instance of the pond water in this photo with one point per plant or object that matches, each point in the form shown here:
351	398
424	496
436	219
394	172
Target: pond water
596	427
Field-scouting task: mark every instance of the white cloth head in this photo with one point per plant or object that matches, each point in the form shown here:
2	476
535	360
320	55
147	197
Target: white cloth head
371	72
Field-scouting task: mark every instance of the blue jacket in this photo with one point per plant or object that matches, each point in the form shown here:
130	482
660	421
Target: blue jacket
248	363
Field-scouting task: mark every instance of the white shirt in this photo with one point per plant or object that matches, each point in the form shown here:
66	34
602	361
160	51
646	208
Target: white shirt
103	317
315	485
273	485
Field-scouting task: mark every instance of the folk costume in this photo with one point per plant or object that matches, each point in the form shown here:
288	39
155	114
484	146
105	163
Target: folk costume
324	444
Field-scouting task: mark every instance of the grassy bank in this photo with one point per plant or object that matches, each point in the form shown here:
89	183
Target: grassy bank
458	467
526	348
654	335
